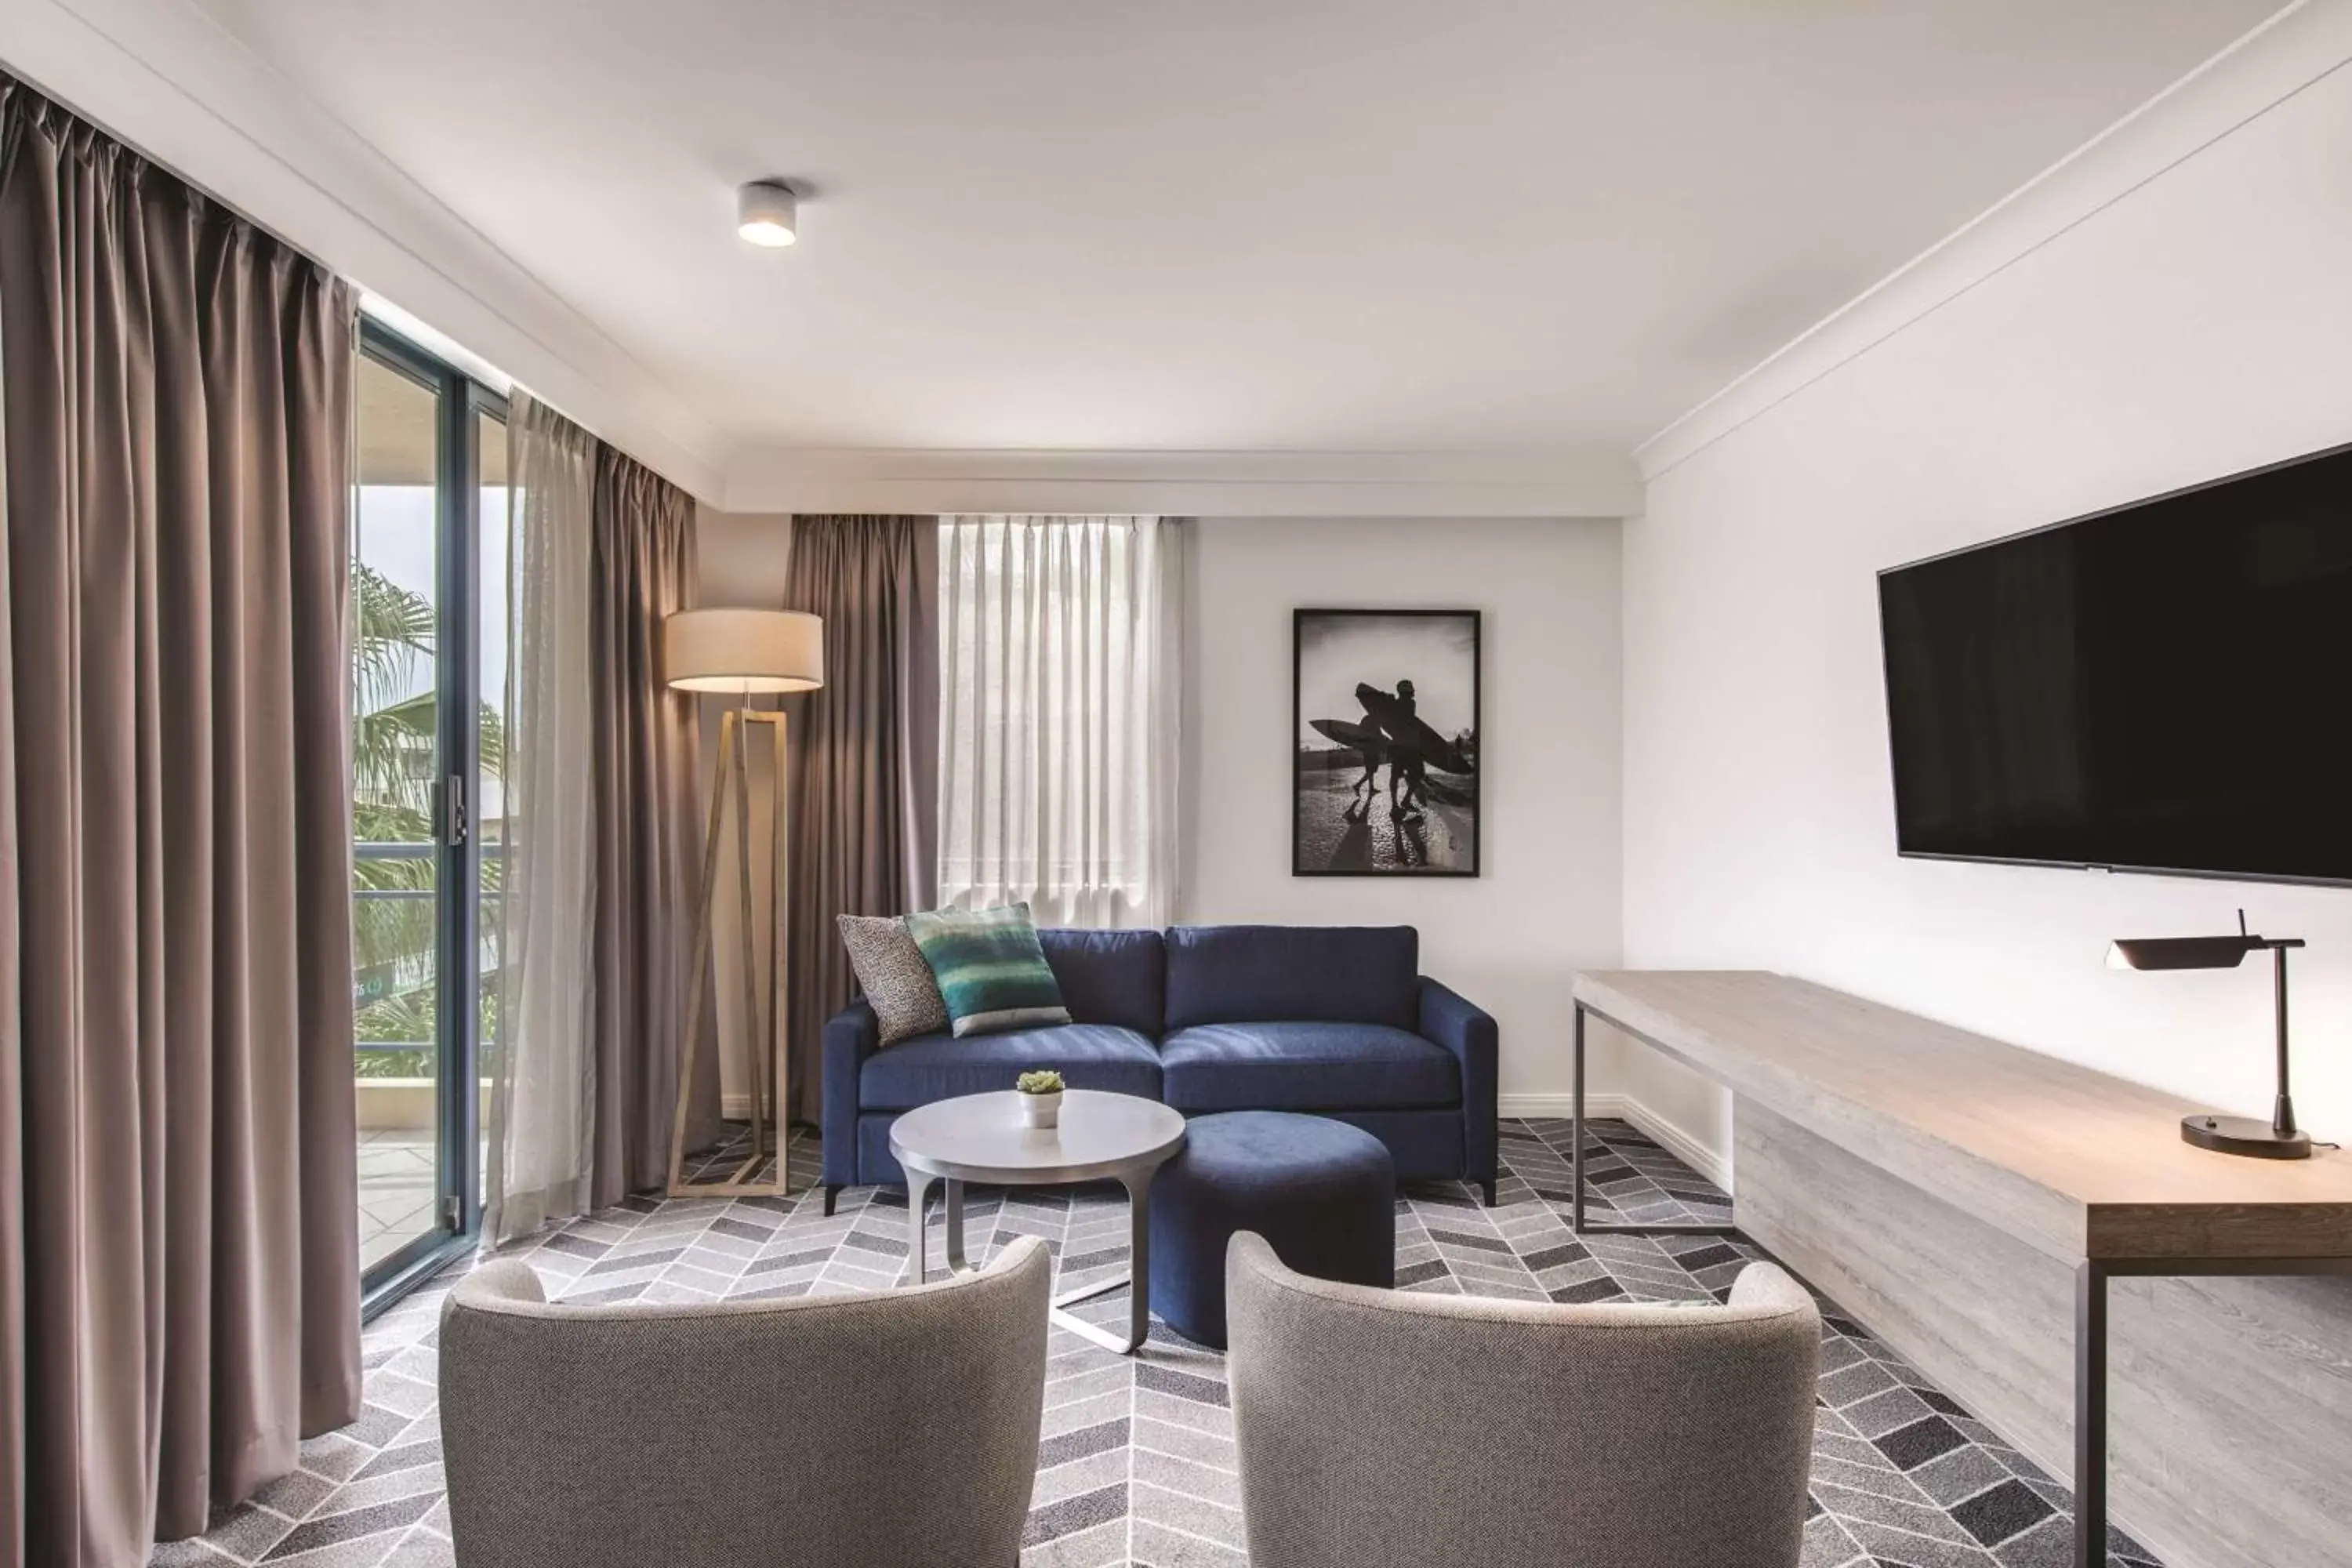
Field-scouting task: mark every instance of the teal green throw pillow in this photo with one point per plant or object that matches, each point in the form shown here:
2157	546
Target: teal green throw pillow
989	967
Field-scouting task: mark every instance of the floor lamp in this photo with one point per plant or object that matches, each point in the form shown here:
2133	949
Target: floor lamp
744	654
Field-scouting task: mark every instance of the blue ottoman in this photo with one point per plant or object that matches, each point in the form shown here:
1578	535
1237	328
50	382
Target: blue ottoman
1323	1194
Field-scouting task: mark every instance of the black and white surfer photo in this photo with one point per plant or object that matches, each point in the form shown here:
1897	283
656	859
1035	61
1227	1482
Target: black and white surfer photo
1385	706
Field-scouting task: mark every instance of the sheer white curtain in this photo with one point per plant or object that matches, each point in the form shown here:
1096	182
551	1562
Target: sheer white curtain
543	1088
1060	729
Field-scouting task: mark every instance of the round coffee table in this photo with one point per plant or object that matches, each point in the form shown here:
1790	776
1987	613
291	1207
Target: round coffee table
982	1138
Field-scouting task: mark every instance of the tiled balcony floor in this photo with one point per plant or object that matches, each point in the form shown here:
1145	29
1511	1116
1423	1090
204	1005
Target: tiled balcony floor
396	1189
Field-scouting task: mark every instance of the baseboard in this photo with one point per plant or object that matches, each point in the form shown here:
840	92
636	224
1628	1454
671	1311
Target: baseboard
1712	1163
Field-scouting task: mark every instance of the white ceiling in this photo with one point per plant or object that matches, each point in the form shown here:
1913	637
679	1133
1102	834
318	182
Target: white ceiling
1235	224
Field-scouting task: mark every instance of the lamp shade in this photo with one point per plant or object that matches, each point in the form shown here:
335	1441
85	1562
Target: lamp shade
743	651
2181	951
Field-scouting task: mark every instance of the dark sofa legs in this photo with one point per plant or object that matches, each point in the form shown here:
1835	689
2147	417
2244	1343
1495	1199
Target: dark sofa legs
1485	1187
832	1190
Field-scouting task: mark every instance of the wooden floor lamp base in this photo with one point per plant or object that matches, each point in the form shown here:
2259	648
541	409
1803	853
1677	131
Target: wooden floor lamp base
763	1036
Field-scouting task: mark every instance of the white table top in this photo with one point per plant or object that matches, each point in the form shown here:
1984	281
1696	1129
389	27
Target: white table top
982	1138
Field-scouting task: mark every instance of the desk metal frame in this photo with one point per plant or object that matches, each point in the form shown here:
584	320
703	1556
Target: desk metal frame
1577	1221
2091	1276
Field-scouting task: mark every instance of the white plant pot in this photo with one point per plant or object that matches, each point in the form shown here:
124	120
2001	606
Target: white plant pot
1042	1109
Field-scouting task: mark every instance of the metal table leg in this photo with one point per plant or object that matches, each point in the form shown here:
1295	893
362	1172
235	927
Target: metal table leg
2091	1280
956	1265
1136	1180
1576	1222
2090	1414
1138	1259
918	1191
1137	1277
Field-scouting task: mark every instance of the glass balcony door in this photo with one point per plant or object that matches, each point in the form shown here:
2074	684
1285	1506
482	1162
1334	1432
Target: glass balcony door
428	573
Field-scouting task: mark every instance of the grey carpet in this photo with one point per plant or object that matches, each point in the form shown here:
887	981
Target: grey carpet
1138	1460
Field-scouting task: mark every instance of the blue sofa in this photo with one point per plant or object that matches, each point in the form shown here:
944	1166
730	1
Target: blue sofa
1333	1020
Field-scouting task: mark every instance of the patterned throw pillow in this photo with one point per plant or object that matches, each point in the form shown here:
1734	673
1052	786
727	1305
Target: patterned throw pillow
894	976
989	968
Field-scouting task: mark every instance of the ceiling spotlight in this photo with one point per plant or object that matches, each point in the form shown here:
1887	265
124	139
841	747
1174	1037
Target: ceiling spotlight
766	213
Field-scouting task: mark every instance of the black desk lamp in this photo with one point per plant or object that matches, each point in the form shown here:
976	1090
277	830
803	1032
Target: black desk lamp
2279	1138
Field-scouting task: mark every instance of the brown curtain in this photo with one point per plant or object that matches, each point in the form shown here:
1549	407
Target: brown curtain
642	568
178	1240
866	757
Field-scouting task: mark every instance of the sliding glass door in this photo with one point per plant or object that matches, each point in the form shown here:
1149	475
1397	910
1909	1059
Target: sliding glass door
428	669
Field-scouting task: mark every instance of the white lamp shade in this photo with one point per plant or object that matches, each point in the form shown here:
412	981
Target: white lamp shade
743	651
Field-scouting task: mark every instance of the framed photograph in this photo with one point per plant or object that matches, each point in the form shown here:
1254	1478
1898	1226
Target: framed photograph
1384	720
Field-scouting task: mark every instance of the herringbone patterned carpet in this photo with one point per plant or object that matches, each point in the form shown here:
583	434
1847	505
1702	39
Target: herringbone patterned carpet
1138	1463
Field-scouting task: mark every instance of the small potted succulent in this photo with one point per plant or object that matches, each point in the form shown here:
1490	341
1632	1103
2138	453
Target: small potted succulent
1041	1098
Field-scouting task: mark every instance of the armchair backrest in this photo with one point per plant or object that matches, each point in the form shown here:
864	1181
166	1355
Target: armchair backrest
887	1427
1415	1431
1267	975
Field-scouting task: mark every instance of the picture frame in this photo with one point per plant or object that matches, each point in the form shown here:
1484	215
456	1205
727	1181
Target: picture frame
1396	692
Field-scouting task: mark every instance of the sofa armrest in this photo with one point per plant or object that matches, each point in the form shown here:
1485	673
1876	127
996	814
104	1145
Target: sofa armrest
851	1036
1469	1032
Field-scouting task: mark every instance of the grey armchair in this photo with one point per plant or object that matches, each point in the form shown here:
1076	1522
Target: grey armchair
887	1427
1424	1431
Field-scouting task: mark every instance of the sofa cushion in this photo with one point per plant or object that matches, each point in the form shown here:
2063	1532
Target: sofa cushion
895	976
1112	976
990	968
1347	975
940	1067
1305	1067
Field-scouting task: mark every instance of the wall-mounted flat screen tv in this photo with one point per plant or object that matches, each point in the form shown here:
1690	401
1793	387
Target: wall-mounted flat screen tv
2165	686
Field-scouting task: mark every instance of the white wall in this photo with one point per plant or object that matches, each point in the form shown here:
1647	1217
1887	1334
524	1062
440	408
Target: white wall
1548	902
2200	325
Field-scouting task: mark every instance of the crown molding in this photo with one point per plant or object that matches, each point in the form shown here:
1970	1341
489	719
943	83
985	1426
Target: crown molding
2302	43
167	80
1190	484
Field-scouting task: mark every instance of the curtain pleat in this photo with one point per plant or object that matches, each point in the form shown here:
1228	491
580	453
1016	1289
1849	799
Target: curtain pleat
15	1386
542	1084
1060	716
598	906
178	1241
864	759
643	758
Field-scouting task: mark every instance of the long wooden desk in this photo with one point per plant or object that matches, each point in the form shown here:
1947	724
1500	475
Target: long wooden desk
1939	1184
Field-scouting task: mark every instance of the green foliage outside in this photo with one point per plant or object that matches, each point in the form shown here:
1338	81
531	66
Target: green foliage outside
392	774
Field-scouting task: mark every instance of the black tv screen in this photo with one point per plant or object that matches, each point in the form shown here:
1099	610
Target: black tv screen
2165	686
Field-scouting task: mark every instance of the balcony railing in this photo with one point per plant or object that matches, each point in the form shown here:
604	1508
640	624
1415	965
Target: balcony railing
492	854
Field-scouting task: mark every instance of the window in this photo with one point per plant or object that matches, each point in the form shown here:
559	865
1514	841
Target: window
428	555
1058	716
